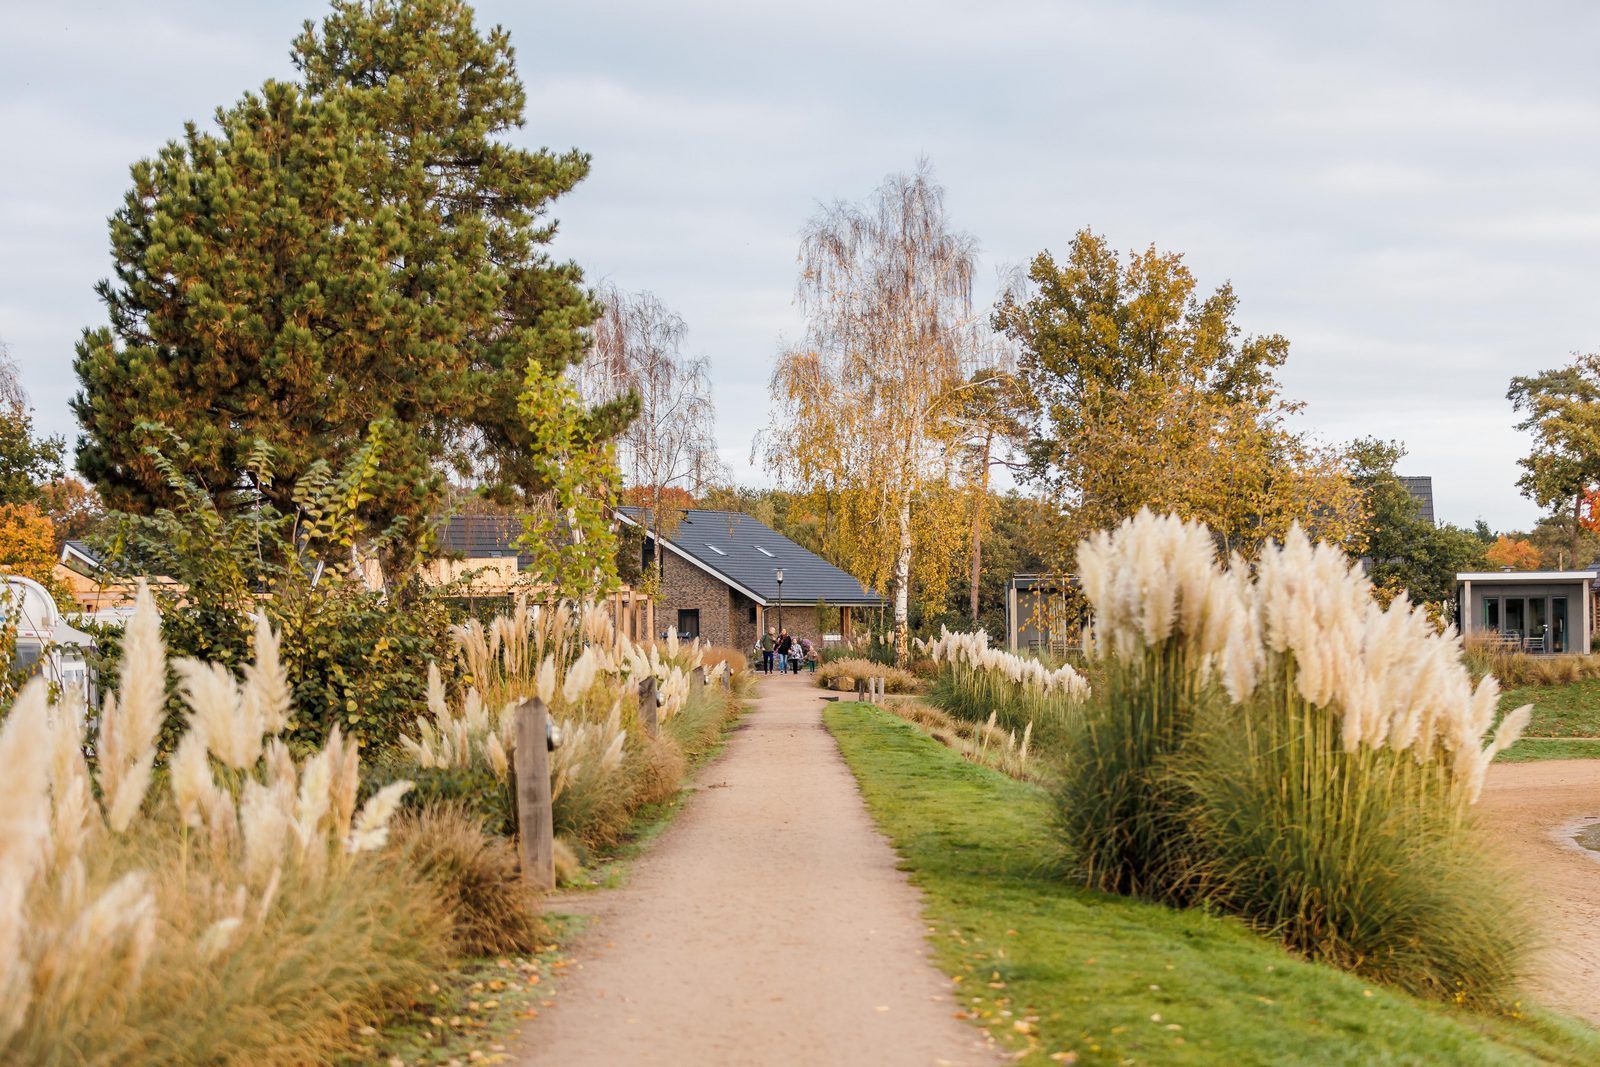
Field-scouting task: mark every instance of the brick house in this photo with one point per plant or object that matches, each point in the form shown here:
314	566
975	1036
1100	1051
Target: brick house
719	581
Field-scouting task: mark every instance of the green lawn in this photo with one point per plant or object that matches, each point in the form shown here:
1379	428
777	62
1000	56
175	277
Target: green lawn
1057	971
1571	710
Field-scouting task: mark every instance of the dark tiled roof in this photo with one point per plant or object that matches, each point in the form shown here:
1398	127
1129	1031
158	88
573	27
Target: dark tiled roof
483	537
749	553
1420	486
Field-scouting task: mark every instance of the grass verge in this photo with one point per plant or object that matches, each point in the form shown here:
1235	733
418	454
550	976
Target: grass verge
1062	974
472	1011
1569	710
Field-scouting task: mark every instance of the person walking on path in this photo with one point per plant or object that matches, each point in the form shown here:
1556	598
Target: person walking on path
769	925
768	643
785	646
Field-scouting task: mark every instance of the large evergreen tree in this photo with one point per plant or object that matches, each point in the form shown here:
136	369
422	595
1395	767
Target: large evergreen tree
361	245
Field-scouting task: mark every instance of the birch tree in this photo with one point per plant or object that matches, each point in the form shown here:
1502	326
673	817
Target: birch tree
670	448
864	414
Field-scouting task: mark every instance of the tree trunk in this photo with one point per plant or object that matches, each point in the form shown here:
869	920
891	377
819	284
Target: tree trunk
977	524
902	585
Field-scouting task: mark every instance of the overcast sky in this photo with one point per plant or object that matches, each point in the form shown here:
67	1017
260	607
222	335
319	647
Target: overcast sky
1409	191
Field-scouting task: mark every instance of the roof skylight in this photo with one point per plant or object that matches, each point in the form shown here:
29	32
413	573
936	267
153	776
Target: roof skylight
715	549
764	552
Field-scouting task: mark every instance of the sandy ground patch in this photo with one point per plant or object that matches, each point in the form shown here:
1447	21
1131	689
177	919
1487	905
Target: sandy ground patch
1532	809
769	925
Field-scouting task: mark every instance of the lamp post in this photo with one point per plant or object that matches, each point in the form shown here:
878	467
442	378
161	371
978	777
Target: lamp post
779	573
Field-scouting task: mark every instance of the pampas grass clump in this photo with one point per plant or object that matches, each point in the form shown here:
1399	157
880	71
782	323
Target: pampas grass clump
978	683
1282	747
244	916
588	676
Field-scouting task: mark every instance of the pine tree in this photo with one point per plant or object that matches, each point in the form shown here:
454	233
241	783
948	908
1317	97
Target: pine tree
358	246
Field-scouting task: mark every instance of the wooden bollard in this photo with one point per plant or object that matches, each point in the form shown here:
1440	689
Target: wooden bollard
878	689
647	705
861	690
532	772
697	682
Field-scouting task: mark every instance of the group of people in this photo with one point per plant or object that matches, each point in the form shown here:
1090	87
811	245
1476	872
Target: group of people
788	653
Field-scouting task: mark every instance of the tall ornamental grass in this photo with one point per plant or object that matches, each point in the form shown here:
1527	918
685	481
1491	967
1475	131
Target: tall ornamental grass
1284	748
244	912
982	684
608	765
1163	613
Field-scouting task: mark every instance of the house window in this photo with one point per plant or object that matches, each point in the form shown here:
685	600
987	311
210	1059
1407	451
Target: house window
688	623
1491	613
1558	624
752	614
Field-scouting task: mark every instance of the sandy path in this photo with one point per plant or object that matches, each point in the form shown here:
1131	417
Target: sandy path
1531	808
769	925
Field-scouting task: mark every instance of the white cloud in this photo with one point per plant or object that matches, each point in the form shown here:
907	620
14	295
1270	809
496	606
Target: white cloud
1405	191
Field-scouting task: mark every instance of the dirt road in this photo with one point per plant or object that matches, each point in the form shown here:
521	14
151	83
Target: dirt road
1531	809
769	925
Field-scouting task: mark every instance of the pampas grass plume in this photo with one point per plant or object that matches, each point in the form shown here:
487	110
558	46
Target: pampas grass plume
129	726
371	827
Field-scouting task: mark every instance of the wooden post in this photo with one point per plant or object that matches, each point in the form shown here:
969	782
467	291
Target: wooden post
647	705
697	682
535	830
861	690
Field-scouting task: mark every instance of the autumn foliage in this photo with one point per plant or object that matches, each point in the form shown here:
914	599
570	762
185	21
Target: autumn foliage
27	542
1511	553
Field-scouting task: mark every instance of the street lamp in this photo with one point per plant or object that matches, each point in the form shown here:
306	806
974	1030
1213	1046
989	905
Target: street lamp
779	573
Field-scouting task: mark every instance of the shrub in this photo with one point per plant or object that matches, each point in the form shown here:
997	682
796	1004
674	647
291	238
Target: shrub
841	675
1290	751
354	657
473	789
477	879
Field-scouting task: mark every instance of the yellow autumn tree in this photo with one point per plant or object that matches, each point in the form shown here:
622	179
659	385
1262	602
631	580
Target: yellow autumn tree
1146	393
1513	554
865	423
28	544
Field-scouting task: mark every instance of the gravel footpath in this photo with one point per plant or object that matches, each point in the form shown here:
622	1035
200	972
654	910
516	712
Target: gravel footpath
769	925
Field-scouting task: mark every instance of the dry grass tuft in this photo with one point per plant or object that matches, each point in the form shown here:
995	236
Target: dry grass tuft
1515	670
476	877
986	744
841	675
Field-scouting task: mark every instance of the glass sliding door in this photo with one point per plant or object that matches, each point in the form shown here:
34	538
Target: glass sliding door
1491	614
1558	624
1538	626
1515	625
